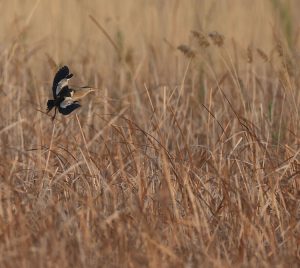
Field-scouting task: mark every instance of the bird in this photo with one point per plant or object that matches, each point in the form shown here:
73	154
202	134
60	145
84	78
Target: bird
65	99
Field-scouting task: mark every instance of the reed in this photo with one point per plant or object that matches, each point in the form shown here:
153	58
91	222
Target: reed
179	158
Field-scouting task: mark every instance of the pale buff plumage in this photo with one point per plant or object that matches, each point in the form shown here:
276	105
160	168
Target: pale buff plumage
79	93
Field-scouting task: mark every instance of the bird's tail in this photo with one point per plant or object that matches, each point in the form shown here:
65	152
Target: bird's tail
50	105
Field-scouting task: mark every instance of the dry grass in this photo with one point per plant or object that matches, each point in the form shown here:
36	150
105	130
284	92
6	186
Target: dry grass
178	160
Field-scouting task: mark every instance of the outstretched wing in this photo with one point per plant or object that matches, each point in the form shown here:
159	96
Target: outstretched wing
69	109
60	80
67	106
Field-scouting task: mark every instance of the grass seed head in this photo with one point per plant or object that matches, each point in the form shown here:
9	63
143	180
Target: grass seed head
217	38
201	38
262	54
187	51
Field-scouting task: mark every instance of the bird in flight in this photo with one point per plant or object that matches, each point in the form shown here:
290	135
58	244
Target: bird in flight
65	99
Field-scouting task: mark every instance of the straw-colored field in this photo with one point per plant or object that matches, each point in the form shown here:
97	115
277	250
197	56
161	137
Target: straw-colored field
184	157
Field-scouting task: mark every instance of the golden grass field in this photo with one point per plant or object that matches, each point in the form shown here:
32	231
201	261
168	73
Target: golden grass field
184	157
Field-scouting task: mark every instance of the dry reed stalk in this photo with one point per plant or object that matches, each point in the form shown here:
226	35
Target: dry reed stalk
193	170
249	55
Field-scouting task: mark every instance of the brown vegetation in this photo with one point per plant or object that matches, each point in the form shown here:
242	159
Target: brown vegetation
178	160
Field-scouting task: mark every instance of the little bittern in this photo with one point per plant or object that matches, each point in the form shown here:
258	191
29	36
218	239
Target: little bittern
65	99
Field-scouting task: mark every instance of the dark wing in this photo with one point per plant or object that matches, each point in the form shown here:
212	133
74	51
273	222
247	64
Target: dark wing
50	105
60	80
68	109
66	92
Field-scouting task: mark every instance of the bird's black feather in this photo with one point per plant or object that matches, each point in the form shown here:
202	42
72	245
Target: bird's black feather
50	105
65	92
70	108
63	73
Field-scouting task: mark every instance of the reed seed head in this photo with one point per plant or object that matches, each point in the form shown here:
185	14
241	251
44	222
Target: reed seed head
201	38
217	38
262	54
187	51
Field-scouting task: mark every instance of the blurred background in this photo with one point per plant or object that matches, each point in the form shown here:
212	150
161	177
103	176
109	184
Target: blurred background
145	32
